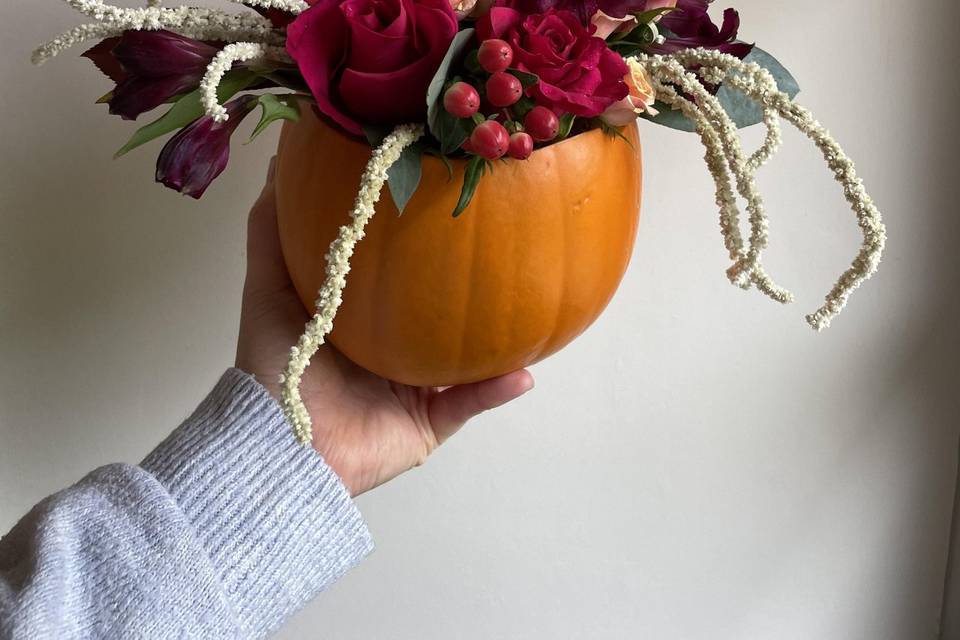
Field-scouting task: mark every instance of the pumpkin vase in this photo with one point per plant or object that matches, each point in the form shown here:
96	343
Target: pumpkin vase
433	300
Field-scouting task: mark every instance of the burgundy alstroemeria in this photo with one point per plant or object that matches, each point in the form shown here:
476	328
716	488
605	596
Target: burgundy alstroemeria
150	67
692	27
195	156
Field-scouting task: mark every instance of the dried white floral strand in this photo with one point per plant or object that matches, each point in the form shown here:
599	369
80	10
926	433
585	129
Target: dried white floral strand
716	131
708	113
218	67
75	36
338	265
293	6
194	22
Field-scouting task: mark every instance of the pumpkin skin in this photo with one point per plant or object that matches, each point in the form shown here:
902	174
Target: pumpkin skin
433	300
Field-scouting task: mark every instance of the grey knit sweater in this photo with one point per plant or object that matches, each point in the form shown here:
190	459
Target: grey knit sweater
223	531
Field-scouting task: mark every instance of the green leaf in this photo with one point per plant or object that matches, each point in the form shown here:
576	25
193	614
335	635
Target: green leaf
471	178
403	176
742	110
283	107
566	124
375	133
435	91
451	132
523	106
288	79
526	79
187	109
649	16
472	64
615	132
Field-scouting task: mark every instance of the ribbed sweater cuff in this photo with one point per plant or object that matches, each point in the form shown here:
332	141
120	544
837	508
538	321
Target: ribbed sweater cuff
277	522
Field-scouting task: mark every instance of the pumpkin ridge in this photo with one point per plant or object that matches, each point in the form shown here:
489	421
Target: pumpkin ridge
470	268
437	301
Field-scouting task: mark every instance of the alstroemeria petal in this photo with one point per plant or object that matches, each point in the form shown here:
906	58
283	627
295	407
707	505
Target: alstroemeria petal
137	95
195	156
162	53
692	27
101	55
150	67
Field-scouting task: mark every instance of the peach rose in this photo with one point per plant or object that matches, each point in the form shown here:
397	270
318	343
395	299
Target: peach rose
639	100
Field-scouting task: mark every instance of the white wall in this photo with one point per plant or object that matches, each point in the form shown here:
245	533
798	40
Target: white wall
699	466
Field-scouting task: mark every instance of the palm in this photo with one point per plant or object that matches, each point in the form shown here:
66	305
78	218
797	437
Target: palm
372	429
368	429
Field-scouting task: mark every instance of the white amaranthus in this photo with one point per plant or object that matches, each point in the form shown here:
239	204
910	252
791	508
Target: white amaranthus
338	265
194	22
218	67
680	88
293	6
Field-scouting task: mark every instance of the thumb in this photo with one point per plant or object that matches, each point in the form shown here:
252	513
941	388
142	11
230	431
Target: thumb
266	270
451	408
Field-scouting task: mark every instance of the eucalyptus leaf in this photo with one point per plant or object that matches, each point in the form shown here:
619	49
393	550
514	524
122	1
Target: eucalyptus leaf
435	91
403	176
187	109
273	108
742	110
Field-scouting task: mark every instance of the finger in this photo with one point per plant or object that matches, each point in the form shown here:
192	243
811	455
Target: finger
450	409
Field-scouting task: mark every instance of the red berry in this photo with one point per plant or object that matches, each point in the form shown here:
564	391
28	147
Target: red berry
521	146
461	100
542	124
503	89
494	55
490	140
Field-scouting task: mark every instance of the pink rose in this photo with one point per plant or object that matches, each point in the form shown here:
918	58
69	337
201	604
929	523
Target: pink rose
370	61
607	24
578	73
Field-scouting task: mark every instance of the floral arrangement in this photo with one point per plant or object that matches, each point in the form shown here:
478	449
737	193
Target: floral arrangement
485	81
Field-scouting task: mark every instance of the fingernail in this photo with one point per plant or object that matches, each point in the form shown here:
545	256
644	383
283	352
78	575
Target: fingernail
529	383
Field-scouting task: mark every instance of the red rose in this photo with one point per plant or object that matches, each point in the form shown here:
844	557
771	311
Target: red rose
578	73
370	61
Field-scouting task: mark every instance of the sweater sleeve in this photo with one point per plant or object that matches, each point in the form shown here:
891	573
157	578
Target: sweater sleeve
223	531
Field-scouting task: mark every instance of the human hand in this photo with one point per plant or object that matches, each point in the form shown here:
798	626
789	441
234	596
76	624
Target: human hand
368	429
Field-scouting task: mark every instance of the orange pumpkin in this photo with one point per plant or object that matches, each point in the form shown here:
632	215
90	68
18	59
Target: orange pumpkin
433	300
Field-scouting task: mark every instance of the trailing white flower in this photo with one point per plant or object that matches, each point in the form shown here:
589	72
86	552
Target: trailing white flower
675	83
338	265
218	67
292	6
75	36
193	22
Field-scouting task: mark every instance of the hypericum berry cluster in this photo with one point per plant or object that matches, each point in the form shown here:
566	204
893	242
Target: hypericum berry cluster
502	121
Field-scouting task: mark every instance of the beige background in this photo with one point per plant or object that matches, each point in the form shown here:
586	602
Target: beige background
699	466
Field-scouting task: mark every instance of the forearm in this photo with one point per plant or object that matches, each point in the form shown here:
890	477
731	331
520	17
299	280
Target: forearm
224	530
